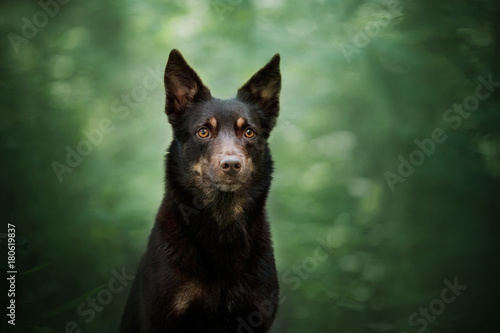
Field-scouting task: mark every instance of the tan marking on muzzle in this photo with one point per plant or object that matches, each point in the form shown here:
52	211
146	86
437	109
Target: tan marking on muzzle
188	293
198	166
250	165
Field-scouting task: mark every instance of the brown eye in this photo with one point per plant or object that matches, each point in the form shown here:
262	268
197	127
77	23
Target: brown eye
203	132
249	133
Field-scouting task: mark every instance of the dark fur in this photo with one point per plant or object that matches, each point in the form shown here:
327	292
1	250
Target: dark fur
209	264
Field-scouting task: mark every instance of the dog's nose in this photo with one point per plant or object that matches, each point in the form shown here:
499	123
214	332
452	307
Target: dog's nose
230	164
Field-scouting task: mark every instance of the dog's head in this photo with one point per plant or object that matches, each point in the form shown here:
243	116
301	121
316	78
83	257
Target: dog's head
221	145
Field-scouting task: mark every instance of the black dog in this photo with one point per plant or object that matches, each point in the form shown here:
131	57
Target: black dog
209	264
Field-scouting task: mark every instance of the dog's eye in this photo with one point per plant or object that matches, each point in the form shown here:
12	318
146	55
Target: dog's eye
203	132
249	133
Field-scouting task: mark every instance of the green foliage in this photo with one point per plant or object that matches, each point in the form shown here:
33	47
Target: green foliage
362	81
73	303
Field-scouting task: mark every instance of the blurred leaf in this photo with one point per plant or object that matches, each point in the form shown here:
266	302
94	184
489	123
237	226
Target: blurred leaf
34	269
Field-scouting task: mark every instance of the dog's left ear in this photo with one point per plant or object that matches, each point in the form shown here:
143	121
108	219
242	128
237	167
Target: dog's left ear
263	88
183	86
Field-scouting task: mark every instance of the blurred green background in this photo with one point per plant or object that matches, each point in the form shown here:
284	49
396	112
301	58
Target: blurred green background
362	80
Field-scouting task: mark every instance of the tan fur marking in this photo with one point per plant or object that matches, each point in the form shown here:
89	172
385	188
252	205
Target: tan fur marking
188	293
197	168
213	122
240	122
238	209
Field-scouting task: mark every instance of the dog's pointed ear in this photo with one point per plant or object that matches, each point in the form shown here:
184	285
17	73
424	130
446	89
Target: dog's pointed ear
263	88
182	85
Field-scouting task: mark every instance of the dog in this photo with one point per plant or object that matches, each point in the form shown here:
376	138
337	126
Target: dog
209	264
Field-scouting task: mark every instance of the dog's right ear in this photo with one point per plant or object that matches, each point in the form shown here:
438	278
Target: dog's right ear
182	85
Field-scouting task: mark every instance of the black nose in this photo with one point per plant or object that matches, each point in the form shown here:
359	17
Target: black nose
230	164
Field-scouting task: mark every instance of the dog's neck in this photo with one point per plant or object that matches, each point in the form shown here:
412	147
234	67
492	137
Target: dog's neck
226	210
210	231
